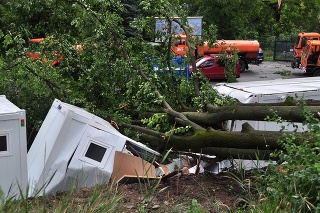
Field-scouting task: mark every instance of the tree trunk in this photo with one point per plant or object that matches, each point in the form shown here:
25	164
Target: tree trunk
252	139
227	143
250	112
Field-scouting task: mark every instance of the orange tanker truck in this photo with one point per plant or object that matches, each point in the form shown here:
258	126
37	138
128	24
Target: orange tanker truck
247	49
300	43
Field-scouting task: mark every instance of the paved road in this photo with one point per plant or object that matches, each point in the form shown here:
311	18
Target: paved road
268	70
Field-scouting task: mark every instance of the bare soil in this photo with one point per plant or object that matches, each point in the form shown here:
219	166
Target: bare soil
213	193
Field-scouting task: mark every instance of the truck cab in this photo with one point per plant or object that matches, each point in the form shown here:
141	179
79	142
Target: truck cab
300	43
310	58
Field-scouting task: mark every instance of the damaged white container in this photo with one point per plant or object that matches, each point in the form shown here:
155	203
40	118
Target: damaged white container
13	149
75	148
270	91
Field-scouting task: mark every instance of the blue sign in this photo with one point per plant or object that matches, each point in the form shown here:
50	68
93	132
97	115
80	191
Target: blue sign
194	22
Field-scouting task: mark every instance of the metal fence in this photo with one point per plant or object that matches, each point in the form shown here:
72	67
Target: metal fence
283	51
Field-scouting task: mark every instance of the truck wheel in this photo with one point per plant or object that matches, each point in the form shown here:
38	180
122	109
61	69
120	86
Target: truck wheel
316	72
295	63
242	65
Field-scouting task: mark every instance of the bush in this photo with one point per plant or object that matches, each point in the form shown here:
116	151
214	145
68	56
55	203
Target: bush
294	186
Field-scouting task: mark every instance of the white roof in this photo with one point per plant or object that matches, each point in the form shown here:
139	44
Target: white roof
6	106
106	126
276	86
243	90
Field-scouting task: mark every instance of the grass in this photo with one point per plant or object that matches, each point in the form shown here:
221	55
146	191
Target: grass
283	73
98	199
268	55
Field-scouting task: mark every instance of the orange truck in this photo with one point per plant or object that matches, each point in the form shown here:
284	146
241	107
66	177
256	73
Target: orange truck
247	49
58	56
310	58
300	43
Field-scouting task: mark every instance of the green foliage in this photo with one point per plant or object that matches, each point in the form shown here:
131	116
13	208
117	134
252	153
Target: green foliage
105	76
230	62
195	207
294	186
158	122
94	79
231	17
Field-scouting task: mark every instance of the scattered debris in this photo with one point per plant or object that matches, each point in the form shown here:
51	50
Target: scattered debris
77	149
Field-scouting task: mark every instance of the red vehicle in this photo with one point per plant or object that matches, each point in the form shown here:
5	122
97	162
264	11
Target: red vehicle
213	68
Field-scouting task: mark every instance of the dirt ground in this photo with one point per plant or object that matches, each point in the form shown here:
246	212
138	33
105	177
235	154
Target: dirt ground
214	193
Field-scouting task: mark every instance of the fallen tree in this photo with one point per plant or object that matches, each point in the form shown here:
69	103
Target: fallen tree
207	135
248	143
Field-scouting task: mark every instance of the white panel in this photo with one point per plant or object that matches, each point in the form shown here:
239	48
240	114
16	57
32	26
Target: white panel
88	172
13	161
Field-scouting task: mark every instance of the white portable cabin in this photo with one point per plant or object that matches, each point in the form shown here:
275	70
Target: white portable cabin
13	149
270	91
74	148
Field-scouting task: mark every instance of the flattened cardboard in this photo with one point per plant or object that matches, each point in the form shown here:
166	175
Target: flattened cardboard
131	167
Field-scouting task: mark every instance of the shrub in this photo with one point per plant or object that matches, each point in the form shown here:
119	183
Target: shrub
294	186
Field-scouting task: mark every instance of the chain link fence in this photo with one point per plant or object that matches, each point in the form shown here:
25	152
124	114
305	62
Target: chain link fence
280	50
283	51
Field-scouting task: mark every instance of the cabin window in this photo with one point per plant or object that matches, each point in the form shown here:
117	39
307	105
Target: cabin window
3	143
95	152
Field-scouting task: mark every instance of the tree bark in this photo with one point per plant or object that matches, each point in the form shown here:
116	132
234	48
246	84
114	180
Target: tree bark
250	112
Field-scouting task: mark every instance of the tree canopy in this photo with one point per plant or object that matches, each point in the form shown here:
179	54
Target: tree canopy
114	76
